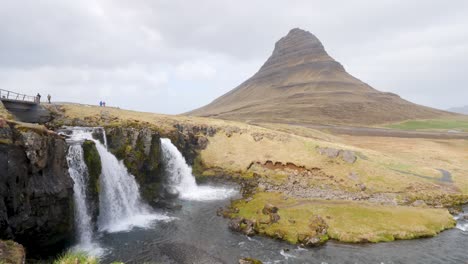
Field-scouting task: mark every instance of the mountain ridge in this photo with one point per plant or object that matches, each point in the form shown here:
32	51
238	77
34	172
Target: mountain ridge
460	110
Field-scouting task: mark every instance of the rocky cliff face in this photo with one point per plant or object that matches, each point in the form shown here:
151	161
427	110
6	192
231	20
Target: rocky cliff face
36	191
140	150
301	83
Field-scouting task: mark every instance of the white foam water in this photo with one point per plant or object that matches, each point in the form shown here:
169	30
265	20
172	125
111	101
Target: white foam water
181	178
462	222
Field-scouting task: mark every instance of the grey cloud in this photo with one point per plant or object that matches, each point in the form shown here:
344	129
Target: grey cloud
171	56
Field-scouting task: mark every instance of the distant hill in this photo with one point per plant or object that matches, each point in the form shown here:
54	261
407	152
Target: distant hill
460	110
301	83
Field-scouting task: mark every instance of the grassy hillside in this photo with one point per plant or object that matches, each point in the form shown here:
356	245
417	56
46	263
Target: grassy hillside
460	124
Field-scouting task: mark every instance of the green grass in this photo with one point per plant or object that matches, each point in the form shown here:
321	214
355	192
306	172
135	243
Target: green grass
348	221
438	124
76	258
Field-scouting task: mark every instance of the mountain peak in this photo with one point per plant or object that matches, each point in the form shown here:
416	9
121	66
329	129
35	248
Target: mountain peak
298	47
298	39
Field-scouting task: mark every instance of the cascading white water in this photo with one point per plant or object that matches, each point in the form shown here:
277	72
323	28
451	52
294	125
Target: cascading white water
462	222
79	173
120	205
181	178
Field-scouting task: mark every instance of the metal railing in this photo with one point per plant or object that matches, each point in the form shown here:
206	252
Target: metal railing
9	95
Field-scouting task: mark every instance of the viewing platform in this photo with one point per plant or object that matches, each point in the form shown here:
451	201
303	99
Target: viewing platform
25	108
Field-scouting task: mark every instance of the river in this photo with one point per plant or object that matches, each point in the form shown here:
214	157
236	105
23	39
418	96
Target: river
197	235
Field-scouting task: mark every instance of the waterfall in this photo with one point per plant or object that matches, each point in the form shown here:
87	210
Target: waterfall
79	173
120	205
181	178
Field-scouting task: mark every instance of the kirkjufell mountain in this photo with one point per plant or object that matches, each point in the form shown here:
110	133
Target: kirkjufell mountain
301	83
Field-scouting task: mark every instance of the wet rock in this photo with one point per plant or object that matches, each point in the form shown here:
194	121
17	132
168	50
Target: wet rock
93	163
36	191
318	225
166	204
317	235
235	224
249	228
269	209
140	150
249	261
309	241
170	193
242	225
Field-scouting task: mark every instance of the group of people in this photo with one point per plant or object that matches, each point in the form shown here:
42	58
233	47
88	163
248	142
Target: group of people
38	98
102	104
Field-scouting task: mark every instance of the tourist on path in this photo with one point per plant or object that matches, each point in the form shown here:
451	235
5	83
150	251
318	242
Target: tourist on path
100	103
38	98
49	97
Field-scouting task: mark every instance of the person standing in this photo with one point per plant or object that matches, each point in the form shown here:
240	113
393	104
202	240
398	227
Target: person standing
104	104
100	103
49	97
38	98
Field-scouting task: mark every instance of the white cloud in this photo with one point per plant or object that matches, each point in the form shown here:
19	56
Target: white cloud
195	70
140	53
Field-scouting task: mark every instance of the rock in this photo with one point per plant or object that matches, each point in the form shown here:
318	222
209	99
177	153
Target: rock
231	130
309	241
419	203
235	224
249	261
202	142
93	162
242	225
170	192
348	156
12	253
140	150
274	218
36	191
269	209
329	152
3	123
257	136
361	186
249	228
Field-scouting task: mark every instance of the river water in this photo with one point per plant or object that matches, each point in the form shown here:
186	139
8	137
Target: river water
197	235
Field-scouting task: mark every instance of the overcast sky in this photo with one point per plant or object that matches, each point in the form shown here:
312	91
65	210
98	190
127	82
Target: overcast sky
171	56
